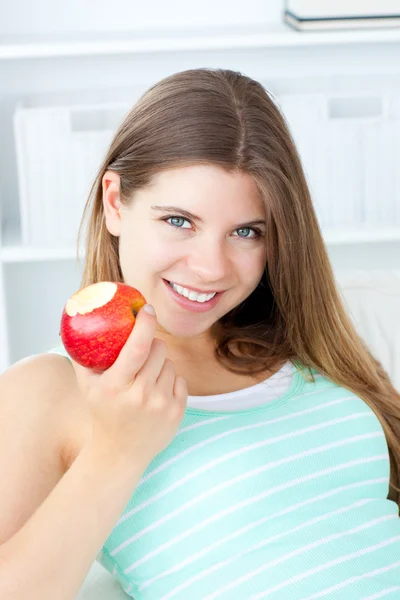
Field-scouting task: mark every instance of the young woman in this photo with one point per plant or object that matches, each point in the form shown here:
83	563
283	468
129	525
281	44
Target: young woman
246	443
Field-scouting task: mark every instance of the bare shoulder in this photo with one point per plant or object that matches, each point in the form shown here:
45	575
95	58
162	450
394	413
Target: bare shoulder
50	379
43	424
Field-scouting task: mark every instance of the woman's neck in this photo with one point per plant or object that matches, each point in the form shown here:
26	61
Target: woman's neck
208	378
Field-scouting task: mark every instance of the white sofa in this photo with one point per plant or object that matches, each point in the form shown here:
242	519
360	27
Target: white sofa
373	301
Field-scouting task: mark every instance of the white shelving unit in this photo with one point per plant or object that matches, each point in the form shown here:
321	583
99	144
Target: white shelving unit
272	36
36	281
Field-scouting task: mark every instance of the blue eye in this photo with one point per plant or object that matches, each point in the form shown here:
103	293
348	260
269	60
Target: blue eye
257	232
179	219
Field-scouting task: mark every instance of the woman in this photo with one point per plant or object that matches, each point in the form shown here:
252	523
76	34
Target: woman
252	448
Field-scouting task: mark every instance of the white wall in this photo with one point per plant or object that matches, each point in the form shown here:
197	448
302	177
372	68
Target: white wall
49	16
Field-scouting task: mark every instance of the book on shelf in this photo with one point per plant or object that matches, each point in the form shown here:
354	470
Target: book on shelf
341	14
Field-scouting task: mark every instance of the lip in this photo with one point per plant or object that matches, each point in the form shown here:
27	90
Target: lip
190	304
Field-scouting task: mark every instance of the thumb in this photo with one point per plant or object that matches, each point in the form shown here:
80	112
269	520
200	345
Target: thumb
87	376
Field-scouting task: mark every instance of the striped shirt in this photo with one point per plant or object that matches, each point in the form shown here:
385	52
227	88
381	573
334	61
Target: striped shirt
284	499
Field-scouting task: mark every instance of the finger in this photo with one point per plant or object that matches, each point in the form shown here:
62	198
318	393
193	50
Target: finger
136	349
147	376
166	378
181	391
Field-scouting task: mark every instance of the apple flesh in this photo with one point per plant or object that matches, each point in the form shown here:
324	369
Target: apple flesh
96	322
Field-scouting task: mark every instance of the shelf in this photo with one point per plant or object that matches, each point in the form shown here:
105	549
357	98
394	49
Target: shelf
361	235
14	253
184	39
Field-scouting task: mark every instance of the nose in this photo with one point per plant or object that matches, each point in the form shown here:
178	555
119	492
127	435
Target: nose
210	262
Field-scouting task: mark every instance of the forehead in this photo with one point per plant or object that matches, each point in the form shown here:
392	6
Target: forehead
201	187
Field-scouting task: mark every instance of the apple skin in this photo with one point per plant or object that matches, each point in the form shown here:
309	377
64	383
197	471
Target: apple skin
94	336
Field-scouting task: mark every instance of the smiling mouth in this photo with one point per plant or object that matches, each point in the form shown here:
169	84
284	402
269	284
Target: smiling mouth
191	289
197	306
199	293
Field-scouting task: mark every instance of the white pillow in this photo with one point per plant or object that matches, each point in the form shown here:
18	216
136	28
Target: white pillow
101	585
373	301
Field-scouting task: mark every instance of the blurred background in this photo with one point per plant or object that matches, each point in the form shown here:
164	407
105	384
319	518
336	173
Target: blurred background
69	72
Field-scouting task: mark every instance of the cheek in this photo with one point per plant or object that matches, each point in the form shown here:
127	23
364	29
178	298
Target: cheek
252	266
146	253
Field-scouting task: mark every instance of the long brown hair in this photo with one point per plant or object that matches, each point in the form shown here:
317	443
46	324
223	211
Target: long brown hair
224	118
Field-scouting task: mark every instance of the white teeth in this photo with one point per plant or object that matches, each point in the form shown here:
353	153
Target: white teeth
190	294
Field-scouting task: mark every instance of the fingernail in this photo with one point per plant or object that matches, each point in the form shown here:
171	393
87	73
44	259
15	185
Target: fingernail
148	308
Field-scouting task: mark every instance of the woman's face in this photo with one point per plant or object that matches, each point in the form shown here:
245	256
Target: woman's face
218	252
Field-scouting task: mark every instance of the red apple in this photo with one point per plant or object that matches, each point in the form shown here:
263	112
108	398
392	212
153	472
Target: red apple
97	321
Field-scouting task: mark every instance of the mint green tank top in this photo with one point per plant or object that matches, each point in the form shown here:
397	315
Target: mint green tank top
286	501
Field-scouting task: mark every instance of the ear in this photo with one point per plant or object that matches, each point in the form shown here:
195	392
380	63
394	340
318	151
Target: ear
111	201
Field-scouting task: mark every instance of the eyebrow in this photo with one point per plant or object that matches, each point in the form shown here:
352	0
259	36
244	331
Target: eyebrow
193	217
